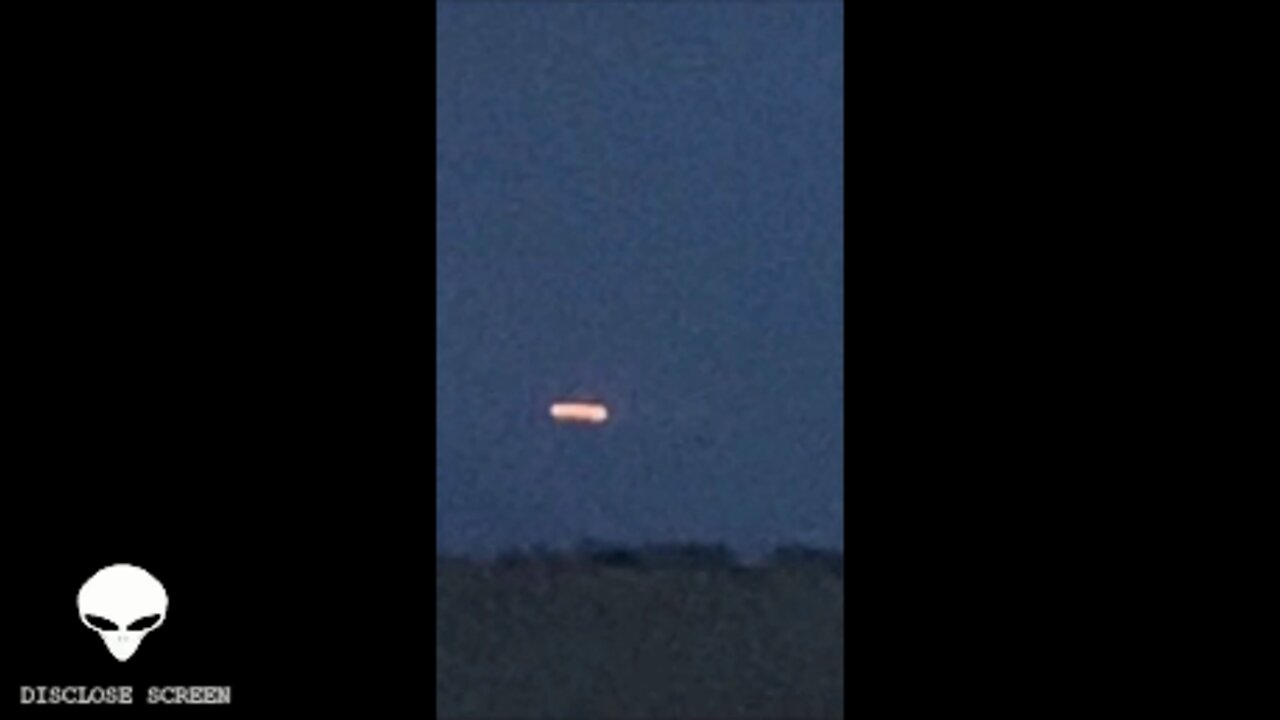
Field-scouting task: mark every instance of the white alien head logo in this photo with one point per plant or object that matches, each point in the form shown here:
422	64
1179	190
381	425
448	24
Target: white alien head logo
122	603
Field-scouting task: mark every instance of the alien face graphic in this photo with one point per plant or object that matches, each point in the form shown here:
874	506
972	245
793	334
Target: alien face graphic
122	603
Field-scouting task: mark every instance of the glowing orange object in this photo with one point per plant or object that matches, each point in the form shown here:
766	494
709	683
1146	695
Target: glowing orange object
580	412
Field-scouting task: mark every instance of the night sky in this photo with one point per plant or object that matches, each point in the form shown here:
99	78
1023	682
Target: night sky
642	203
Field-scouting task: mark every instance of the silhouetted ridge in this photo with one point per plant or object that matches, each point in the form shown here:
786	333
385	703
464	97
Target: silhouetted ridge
802	556
659	556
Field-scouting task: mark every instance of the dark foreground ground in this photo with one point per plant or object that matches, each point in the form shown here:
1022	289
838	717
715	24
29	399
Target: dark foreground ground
613	640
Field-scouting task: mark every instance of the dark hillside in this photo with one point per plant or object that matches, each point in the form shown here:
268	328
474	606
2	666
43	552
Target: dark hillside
646	633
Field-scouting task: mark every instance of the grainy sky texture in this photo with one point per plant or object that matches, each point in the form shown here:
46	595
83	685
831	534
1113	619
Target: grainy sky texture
642	203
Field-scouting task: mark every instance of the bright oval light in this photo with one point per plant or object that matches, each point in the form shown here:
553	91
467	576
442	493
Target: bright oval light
580	412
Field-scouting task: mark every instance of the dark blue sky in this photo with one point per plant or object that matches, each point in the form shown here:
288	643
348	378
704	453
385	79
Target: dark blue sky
641	202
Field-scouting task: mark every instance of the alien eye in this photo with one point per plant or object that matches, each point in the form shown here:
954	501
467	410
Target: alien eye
100	623
144	623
